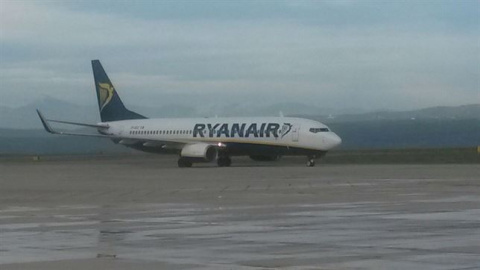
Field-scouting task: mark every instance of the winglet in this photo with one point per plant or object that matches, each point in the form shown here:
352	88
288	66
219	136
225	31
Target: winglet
45	123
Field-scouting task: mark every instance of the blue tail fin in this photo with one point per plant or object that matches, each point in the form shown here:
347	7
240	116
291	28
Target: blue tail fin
110	105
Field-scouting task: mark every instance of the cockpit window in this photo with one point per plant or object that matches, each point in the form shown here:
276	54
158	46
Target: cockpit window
316	130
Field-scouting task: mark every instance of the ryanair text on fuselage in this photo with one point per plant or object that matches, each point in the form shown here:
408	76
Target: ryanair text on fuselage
242	130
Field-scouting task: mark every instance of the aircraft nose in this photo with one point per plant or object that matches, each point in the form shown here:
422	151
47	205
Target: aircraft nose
336	140
332	140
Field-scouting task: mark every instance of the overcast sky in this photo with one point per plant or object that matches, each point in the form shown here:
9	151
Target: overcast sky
348	54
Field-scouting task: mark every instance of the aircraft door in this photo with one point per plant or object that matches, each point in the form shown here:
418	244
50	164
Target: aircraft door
295	133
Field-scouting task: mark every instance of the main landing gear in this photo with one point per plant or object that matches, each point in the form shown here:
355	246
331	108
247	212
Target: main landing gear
311	161
184	163
224	161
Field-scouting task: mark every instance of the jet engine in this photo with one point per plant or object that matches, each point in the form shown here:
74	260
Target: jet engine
199	152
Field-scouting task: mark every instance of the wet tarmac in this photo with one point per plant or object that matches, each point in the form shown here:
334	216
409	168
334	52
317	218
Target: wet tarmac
145	213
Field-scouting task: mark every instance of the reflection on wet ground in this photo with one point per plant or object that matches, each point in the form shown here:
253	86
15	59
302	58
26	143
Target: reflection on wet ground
343	235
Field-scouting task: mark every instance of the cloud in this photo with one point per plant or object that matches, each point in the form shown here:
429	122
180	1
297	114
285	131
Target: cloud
308	51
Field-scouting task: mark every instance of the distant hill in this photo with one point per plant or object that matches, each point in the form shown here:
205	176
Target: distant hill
435	113
390	134
22	133
39	142
25	117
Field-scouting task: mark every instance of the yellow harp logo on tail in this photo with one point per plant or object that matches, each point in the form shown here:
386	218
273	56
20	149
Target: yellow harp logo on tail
106	94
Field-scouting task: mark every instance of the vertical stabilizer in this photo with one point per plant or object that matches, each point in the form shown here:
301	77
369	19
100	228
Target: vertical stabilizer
109	103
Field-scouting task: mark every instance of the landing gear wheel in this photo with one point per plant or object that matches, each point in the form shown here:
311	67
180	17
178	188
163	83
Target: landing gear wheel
311	162
184	163
228	162
224	162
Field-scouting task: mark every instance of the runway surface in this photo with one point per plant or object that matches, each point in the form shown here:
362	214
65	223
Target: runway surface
144	213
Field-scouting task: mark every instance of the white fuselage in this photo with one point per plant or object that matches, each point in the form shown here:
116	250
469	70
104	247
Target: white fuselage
202	139
287	132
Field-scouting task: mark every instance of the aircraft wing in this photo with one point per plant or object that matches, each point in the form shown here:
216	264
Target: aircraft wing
118	139
49	129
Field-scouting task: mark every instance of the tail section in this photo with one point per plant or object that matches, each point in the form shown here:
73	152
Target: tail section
109	102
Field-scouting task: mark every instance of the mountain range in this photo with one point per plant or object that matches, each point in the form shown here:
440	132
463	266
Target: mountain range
436	127
25	117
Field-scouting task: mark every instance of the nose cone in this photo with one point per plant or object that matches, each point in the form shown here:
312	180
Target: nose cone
332	140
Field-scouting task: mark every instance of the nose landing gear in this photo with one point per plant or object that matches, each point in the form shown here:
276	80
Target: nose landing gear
311	161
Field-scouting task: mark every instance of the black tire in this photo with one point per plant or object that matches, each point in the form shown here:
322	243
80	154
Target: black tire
184	163
311	163
228	162
224	162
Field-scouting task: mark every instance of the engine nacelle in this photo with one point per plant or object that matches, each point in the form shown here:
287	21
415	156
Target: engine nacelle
199	152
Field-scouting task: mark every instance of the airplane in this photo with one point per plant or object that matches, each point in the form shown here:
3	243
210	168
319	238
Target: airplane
198	140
